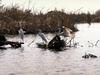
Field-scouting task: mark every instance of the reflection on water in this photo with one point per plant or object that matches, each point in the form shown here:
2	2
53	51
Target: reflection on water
30	60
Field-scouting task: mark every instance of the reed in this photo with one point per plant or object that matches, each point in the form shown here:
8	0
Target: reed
10	19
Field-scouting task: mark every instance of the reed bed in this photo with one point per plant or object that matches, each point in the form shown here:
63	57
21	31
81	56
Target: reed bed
12	19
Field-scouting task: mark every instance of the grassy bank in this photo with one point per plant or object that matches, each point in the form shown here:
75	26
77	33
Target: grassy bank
11	19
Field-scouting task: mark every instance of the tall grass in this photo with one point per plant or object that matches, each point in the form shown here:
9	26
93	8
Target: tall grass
11	19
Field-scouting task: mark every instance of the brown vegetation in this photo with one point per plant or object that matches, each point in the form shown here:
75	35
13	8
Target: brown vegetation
11	19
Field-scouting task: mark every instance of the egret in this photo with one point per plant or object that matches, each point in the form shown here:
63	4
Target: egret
21	34
42	35
67	33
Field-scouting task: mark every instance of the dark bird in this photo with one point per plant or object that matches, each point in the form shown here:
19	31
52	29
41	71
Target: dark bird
92	56
85	56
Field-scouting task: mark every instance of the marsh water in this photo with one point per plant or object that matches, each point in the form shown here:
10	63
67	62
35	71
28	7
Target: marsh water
31	60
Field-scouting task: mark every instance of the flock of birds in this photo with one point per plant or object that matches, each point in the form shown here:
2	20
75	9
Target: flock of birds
66	33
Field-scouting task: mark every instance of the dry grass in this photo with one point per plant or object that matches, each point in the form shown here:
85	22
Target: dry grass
11	19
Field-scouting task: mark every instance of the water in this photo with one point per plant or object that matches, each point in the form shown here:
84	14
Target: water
30	60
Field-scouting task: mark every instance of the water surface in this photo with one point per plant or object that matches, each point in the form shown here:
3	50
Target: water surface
30	60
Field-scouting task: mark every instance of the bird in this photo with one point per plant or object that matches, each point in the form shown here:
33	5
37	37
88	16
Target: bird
67	33
89	56
85	56
42	35
21	33
92	56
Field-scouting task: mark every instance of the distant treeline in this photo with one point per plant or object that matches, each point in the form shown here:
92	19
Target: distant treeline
12	19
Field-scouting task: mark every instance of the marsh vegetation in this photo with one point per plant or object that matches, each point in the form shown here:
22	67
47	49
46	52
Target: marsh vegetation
11	19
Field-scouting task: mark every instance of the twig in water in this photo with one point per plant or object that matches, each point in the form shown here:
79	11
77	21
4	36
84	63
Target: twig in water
91	43
97	42
31	42
69	42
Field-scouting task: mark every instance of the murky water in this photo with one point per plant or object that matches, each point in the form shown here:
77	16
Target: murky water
30	60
